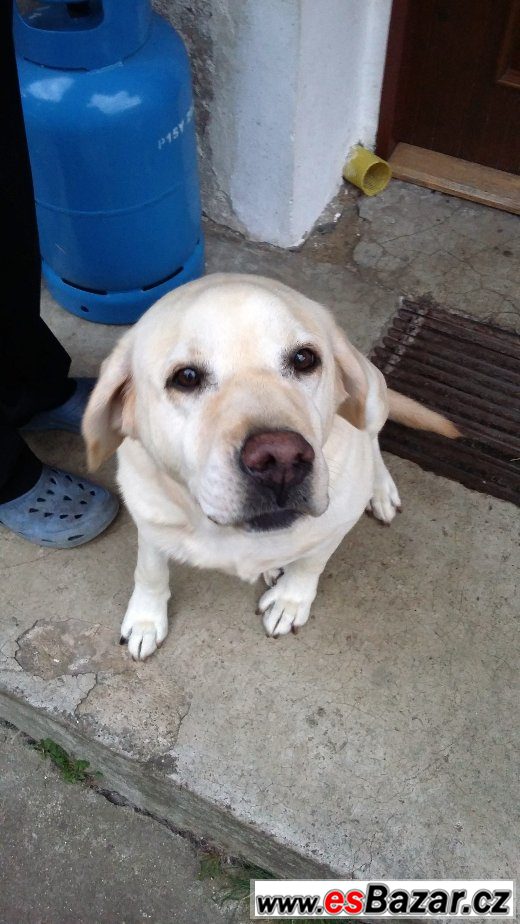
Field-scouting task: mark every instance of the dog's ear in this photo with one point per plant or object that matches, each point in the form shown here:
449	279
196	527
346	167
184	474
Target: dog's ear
110	412
361	387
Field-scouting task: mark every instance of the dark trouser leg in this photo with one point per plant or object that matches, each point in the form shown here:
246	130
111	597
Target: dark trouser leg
19	467
33	364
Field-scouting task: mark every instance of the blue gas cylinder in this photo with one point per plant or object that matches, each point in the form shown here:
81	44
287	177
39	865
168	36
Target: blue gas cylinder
107	99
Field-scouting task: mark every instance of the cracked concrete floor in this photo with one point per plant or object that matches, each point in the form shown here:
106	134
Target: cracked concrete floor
382	740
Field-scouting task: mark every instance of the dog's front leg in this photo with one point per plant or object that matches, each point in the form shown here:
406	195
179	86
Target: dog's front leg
385	501
286	606
145	625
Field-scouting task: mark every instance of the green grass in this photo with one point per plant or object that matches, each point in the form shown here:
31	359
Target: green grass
234	879
70	769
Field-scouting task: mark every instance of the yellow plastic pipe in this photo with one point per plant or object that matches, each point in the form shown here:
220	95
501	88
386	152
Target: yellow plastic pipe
367	171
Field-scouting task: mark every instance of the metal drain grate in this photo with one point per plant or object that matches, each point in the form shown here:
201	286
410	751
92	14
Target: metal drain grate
468	370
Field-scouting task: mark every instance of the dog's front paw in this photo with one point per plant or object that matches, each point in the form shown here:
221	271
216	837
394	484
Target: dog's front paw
287	605
144	632
385	501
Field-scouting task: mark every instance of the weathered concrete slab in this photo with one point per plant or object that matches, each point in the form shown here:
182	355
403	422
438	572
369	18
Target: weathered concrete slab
381	740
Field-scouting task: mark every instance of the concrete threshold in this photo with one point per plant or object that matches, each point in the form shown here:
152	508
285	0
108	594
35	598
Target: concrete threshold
189	814
379	742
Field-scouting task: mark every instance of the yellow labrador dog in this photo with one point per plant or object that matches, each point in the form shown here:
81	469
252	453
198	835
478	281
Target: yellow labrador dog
247	428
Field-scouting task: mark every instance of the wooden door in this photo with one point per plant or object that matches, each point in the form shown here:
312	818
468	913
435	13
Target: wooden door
452	80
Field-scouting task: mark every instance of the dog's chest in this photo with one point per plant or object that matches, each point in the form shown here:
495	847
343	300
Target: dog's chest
248	555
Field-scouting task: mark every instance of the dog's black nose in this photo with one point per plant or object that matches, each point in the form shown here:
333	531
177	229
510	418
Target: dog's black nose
277	460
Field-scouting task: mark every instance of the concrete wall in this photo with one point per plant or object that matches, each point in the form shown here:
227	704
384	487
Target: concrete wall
284	88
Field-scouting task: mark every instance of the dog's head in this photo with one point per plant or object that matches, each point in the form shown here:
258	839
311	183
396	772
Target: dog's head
231	384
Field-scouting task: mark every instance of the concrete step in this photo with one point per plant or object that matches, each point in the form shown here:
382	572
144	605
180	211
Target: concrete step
377	742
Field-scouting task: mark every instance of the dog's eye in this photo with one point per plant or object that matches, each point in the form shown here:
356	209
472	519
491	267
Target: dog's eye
304	360
186	379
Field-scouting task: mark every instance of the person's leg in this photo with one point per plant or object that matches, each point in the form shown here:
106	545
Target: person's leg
19	467
34	367
46	506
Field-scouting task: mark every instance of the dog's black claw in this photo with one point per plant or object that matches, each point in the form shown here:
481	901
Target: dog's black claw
122	640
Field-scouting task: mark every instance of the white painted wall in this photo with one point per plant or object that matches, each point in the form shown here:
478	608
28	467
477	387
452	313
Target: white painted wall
265	99
285	88
340	72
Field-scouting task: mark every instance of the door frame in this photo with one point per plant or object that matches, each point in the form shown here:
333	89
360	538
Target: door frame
385	141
